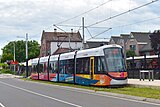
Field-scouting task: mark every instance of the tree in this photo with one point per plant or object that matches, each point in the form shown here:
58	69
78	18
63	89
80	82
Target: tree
6	56
20	50
130	53
155	41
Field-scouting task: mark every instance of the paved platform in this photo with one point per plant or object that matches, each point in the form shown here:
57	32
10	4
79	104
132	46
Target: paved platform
146	82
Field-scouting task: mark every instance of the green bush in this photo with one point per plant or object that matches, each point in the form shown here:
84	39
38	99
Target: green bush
6	71
3	65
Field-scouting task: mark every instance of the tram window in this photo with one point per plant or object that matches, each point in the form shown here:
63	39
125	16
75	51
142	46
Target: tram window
54	67
34	69
79	68
50	67
86	65
67	66
100	66
45	68
41	68
62	66
82	66
37	68
70	66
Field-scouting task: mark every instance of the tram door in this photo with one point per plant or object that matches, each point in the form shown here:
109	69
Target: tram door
91	67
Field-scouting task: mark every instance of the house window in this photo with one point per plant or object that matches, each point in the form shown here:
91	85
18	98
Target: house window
133	47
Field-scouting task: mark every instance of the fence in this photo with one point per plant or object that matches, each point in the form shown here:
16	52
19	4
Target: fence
135	64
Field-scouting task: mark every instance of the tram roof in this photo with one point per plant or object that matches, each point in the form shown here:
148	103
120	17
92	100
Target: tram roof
35	61
87	52
54	58
44	59
81	53
69	55
94	51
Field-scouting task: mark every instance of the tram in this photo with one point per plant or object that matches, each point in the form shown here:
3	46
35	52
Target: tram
102	66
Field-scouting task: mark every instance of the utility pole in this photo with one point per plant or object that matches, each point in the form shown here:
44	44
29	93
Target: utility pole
69	41
14	56
83	32
26	55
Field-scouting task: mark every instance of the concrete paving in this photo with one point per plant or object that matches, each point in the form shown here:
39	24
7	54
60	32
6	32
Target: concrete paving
146	82
9	76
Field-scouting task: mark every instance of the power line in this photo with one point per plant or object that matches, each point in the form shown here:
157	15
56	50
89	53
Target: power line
111	27
60	28
89	32
100	33
84	12
125	25
75	17
101	20
123	13
137	22
36	35
100	27
79	28
59	44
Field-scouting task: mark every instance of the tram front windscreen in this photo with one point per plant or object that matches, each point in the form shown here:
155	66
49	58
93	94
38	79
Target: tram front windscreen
114	59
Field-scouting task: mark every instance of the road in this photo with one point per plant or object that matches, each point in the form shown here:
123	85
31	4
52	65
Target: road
19	93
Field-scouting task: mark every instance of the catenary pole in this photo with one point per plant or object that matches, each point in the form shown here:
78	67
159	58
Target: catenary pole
14	57
83	32
26	55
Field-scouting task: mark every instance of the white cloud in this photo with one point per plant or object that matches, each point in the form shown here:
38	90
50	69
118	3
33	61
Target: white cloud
18	17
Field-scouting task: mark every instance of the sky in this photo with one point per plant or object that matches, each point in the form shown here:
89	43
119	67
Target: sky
105	17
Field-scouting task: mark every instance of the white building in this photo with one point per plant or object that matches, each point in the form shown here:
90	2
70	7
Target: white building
59	42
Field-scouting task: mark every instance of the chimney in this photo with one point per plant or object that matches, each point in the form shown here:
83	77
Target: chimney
55	30
43	31
72	31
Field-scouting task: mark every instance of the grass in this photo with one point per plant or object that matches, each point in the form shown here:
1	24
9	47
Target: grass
138	91
128	90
